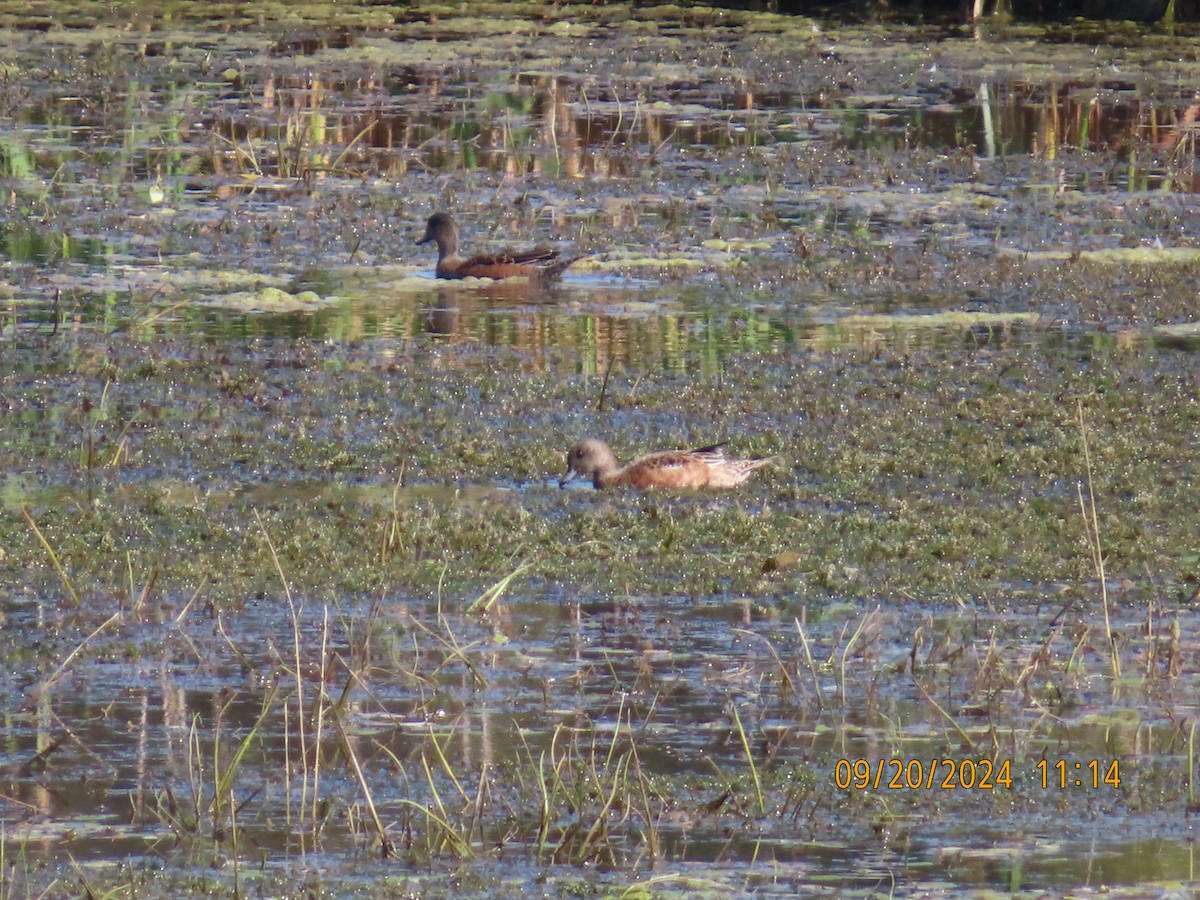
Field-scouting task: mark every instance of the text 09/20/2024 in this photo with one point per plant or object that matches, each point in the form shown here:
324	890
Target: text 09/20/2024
969	774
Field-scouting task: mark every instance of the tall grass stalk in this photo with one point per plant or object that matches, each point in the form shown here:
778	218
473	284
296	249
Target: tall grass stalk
62	667
858	631
385	845
54	560
962	735
812	666
1092	523
297	671
485	601
226	775
319	725
1191	780
737	722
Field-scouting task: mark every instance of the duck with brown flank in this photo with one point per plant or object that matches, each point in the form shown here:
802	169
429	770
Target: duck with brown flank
705	467
540	263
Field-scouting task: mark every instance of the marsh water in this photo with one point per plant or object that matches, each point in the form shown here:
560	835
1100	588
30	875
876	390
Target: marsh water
292	601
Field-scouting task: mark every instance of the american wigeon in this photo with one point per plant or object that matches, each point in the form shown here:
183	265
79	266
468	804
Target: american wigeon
540	263
705	467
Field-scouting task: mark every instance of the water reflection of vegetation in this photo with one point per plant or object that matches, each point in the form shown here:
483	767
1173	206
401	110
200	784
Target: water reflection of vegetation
291	124
40	246
699	342
559	128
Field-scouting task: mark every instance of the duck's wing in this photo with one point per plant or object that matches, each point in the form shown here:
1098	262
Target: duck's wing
555	268
537	256
668	459
733	472
714	454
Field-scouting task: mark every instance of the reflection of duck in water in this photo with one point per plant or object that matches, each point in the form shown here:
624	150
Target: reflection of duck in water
540	263
706	467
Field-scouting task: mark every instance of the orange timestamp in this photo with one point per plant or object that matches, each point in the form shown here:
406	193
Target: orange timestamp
971	774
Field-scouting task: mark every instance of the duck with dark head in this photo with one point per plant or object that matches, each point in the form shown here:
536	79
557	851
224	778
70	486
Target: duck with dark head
540	263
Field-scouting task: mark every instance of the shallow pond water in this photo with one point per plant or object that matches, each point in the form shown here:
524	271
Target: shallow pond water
291	597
